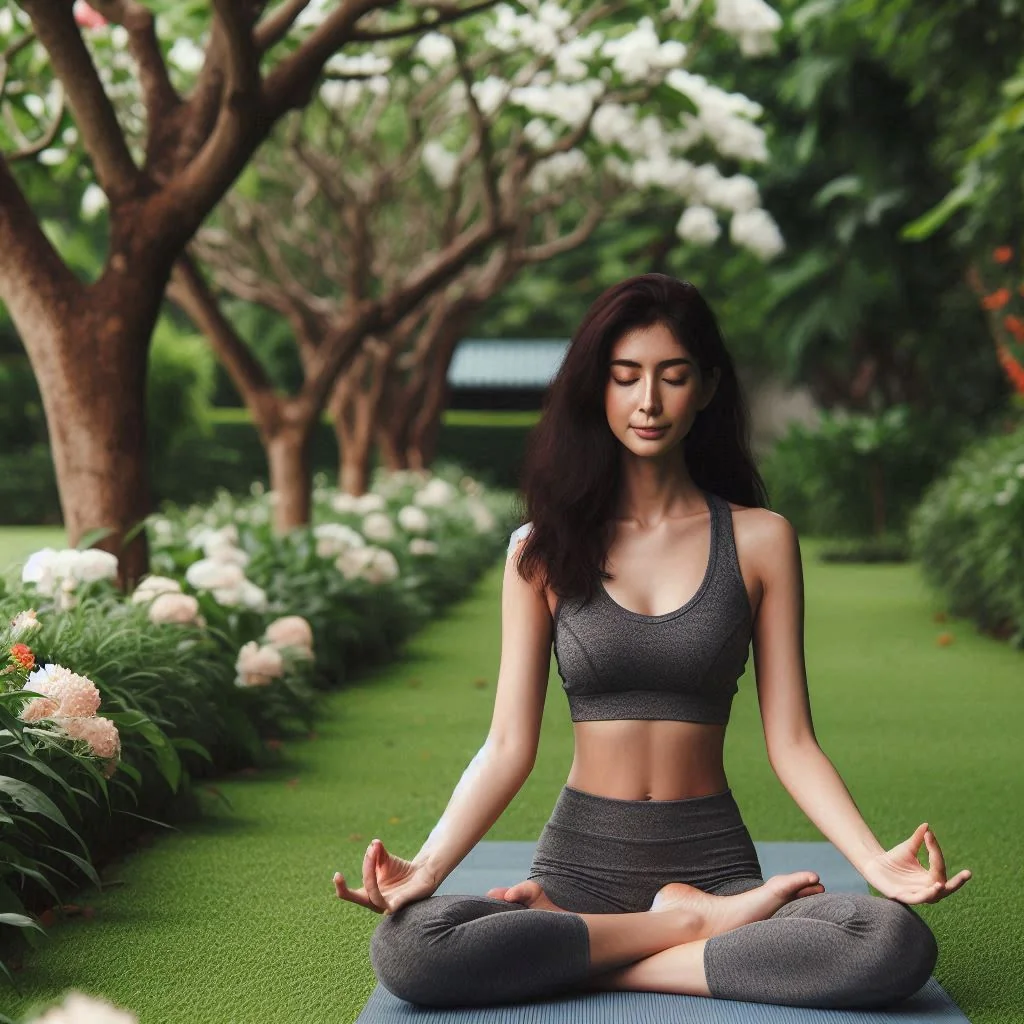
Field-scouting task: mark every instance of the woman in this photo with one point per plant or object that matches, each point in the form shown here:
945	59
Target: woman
645	876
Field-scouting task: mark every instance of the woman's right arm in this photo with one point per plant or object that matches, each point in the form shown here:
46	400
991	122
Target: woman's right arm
501	766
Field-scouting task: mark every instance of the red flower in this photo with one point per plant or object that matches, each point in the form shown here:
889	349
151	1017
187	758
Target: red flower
23	655
1015	326
997	299
86	17
1002	254
1013	369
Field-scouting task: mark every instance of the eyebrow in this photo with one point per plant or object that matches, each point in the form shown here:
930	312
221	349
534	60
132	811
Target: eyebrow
664	362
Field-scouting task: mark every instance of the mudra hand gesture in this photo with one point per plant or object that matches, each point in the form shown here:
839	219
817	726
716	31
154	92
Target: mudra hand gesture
389	882
899	875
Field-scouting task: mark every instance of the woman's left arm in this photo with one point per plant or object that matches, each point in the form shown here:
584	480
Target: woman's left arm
771	547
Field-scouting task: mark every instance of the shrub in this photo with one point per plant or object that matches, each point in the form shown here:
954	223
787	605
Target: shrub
857	475
968	535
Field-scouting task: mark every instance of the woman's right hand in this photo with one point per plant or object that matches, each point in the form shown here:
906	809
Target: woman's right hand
389	882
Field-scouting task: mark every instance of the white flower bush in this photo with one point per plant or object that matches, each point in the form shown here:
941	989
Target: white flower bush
48	569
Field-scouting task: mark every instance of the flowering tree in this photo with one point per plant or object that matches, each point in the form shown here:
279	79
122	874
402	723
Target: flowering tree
515	132
161	125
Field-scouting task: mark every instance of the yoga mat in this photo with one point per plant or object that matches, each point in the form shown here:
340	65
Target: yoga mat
502	863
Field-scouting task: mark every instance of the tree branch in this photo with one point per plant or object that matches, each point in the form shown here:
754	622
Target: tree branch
189	291
101	133
416	27
274	27
28	146
34	280
158	94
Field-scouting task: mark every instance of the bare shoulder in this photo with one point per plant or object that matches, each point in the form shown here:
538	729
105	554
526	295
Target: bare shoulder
765	540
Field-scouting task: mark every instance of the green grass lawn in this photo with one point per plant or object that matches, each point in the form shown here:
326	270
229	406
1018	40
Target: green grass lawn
18	542
234	918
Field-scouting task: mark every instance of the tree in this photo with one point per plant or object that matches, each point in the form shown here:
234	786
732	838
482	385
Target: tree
513	133
164	138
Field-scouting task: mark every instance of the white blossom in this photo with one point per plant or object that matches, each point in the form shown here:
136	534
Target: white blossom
435	49
94	199
413	519
378	526
441	164
185	55
757	231
699	225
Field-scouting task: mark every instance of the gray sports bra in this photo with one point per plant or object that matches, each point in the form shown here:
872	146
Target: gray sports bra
683	665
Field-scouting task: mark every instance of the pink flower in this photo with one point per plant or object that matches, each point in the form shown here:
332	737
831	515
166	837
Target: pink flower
66	694
100	733
179	609
291	631
257	666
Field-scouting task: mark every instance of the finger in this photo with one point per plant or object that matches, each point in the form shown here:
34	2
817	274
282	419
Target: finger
958	881
352	895
936	862
917	838
370	878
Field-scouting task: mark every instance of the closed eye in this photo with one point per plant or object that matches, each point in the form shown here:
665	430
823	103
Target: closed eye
674	383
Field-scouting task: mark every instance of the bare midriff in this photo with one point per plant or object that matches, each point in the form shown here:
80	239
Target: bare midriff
643	759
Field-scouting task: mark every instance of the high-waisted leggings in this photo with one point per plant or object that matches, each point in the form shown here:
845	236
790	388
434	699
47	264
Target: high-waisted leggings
604	855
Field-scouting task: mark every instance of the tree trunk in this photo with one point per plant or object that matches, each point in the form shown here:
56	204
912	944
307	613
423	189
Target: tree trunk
425	428
355	405
91	371
288	457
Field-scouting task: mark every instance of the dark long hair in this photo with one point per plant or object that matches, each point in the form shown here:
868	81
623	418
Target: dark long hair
571	471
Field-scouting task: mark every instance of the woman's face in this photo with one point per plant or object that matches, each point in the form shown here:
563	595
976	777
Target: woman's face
653	380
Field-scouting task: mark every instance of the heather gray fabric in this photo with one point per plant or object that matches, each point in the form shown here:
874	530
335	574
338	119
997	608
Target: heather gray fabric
831	950
683	665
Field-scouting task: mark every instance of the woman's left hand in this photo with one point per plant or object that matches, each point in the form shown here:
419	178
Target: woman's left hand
899	875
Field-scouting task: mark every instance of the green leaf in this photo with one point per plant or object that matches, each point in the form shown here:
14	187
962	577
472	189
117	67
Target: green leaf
184	743
30	798
21	921
80	862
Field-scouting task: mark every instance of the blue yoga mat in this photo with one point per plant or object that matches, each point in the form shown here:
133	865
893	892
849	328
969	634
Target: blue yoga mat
503	863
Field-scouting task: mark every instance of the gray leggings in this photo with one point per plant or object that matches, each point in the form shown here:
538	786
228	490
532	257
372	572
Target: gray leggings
603	855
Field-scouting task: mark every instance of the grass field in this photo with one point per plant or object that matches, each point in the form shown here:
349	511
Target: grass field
233	919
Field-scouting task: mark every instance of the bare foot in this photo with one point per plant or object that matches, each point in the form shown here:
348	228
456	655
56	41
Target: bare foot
529	893
723	913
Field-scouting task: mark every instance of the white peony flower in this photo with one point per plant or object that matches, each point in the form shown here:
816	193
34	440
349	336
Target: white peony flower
291	631
378	526
437	493
422	546
176	609
258	666
206	574
413	519
151	586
